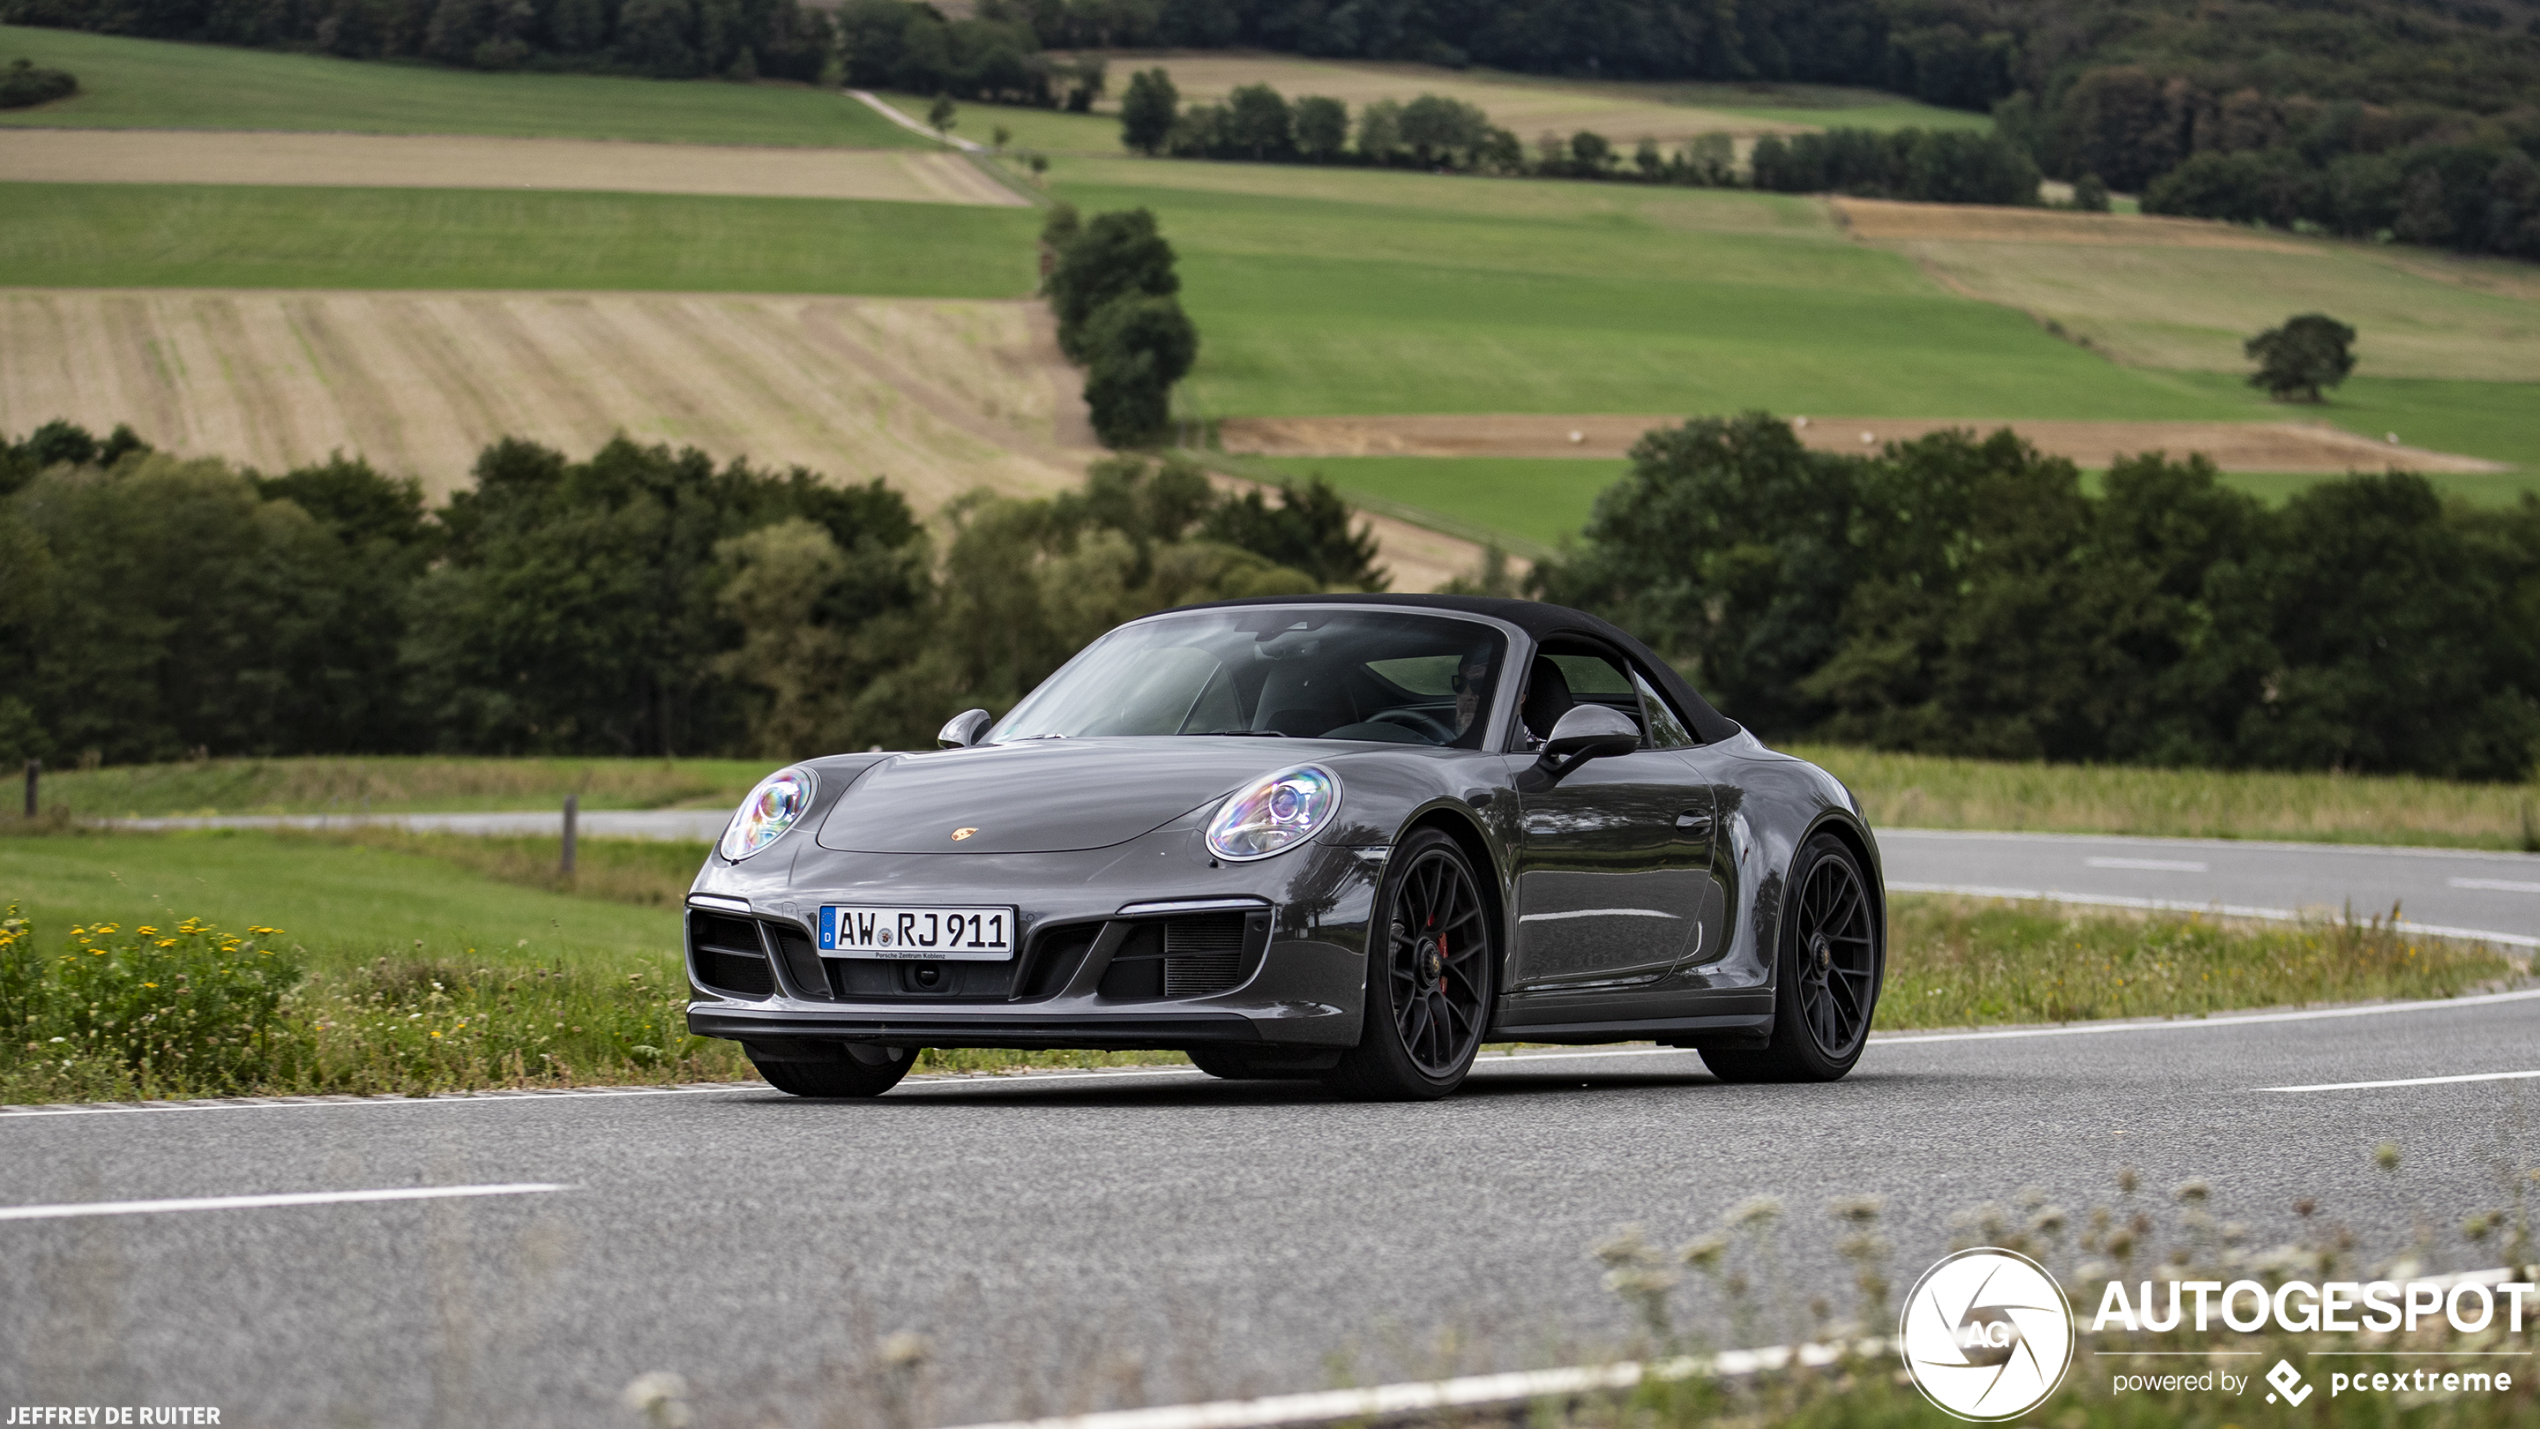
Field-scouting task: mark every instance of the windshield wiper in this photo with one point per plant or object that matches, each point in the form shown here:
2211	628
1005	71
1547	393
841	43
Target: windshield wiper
1247	733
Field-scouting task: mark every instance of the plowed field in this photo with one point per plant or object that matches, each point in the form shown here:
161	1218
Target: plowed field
938	396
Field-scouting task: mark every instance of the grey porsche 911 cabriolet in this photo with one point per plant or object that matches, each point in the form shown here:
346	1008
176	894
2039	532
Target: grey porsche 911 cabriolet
1339	837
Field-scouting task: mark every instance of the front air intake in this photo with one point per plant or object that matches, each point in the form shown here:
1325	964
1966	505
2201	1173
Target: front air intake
1203	955
725	955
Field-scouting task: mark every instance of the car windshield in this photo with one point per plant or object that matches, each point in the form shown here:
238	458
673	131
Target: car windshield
1278	671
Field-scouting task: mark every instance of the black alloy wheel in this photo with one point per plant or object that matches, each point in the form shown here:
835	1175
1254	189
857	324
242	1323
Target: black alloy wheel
858	1072
1432	963
1827	984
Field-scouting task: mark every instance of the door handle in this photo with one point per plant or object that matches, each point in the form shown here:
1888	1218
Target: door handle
1694	821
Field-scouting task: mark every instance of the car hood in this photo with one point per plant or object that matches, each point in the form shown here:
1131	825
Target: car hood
1044	795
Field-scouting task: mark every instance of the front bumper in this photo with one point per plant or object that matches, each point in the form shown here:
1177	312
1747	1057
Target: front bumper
1147	944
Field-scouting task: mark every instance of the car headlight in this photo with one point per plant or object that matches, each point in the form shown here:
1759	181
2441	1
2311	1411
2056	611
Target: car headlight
772	808
1276	812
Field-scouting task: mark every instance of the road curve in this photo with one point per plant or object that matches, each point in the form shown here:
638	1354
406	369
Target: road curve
1101	1239
2495	896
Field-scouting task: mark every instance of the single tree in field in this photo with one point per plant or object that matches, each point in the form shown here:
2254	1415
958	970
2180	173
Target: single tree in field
941	115
2306	354
1115	255
1000	136
2090	195
1147	110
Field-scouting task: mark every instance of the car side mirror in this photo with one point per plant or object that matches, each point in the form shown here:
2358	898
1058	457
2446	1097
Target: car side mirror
963	730
1588	732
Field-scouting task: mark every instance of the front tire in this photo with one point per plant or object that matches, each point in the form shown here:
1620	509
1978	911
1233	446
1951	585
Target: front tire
850	1076
1825	980
1432	963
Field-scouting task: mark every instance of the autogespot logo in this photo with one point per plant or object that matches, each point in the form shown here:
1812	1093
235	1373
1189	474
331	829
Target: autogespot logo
1987	1334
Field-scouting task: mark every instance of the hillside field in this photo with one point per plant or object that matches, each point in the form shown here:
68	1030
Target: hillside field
159	84
207	236
940	397
1317	291
1528	106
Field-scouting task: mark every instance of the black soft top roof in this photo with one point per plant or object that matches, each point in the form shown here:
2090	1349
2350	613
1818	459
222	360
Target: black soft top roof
1543	622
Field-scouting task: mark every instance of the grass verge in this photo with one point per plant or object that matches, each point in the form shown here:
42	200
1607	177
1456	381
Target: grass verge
383	961
162	84
225	236
1936	792
1957	962
396	784
1731	1284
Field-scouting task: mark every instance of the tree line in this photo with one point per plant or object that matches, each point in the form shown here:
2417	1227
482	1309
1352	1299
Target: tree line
1965	595
640	601
1436	132
871	43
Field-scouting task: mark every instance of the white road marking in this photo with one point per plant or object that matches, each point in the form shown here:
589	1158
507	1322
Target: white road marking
1882	1039
72	1209
2313	850
2495	885
2221	910
2409	1082
321	1103
1597	913
2090	1029
2157	865
1425	1397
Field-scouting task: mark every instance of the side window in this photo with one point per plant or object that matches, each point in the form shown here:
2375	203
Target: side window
1570	672
1666	731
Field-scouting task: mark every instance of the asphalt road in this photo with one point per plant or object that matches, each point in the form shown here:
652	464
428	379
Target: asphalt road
2492	894
1155	1236
2496	895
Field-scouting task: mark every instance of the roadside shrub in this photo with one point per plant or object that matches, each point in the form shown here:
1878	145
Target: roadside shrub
187	1007
188	1010
24	84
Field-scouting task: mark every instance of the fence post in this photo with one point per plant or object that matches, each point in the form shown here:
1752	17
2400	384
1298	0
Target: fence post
572	816
34	771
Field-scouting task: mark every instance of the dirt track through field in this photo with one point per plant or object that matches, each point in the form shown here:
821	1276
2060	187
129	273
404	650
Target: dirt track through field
2234	446
1884	221
435	161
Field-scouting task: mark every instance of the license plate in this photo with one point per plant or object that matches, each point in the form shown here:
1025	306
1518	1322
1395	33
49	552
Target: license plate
963	934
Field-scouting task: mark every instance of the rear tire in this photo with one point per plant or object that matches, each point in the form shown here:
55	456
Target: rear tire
1826	977
849	1076
1432	960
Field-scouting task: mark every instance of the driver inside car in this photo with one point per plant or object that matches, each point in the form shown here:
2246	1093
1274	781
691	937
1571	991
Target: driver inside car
1472	687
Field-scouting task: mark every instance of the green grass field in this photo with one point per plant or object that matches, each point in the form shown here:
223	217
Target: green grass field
395	784
1334	293
1539	499
346	903
2496	420
218	236
1903	790
158	84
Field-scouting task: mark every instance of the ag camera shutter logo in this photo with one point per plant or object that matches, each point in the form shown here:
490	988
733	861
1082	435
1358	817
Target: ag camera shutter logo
1986	1334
